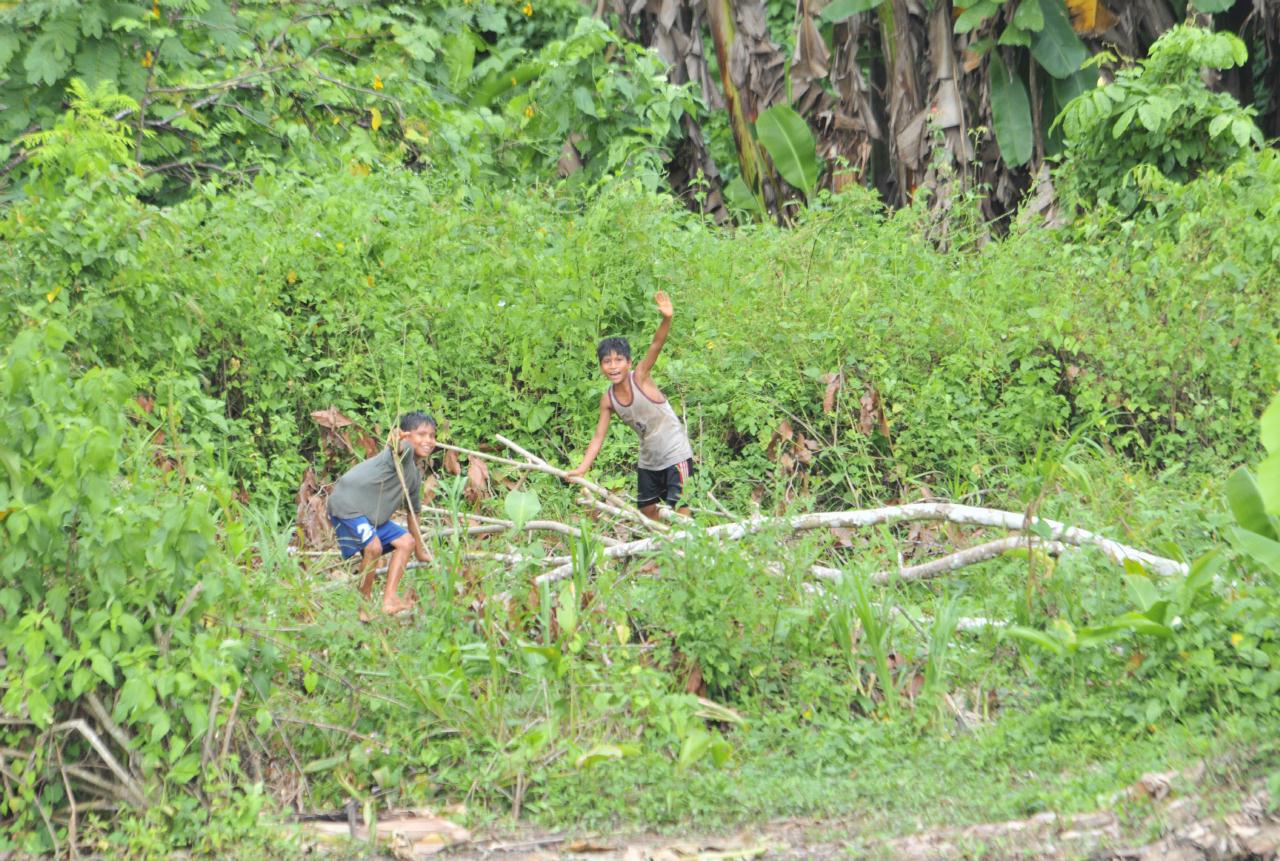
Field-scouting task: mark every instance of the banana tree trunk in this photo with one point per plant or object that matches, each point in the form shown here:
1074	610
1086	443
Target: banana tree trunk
752	71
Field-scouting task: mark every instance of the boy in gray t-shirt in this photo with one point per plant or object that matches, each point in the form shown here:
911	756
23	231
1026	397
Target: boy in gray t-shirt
666	458
363	500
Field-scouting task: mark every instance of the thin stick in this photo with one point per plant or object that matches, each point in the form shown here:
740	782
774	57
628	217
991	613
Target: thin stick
84	775
71	800
500	526
163	645
231	723
608	496
133	790
103	717
211	728
592	502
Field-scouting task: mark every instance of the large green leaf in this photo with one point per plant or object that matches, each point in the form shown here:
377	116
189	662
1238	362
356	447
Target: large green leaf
522	506
976	14
839	10
790	144
1028	16
1269	483
1039	638
1056	46
1263	550
1246	504
459	58
1010	113
1271	426
8	47
1213	5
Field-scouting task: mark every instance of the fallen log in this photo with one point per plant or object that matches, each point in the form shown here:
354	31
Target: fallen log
967	515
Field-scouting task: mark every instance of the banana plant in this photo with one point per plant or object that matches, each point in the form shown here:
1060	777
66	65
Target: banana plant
1255	500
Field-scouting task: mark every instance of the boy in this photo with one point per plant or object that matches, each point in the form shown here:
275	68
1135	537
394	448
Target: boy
666	458
363	500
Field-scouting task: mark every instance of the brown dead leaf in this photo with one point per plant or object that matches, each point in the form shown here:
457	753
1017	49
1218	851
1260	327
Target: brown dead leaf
588	845
331	419
784	433
834	383
871	412
842	535
787	463
804	453
451	464
367	443
312	514
693	683
411	835
477	481
1090	16
145	402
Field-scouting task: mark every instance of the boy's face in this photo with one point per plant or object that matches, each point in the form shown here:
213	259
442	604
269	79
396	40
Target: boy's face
615	367
421	439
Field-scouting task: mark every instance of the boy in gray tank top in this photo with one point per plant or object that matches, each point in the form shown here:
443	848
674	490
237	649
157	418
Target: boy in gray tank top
666	458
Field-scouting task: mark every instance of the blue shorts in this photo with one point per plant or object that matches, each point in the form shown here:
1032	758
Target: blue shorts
356	532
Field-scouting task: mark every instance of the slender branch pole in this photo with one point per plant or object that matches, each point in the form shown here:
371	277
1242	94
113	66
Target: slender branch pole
610	497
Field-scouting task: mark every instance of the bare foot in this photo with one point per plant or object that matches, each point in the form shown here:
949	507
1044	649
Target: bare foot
365	616
396	606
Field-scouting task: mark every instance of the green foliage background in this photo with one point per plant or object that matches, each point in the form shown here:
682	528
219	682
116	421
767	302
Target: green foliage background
165	355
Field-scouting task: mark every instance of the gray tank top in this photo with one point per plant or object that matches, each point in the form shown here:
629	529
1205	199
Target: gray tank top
663	442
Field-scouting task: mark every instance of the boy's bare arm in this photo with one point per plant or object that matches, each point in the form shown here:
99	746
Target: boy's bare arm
597	439
645	365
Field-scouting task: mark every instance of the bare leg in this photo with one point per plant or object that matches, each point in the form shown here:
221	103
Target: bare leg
369	565
401	550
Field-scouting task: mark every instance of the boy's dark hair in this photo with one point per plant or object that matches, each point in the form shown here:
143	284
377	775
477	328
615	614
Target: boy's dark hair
413	421
613	345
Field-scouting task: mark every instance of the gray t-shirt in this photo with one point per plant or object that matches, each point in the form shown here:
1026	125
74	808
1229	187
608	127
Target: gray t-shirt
663	442
372	489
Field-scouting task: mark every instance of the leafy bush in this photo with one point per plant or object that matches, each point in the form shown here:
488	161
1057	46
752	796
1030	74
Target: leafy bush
1157	115
114	554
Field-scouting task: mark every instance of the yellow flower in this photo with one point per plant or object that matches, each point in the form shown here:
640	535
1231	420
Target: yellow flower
377	82
527	9
292	277
147	59
375	119
52	294
528	111
711	345
368	279
155	8
1237	639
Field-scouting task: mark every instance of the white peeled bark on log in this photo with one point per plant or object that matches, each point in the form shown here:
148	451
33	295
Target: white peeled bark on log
963	514
970	556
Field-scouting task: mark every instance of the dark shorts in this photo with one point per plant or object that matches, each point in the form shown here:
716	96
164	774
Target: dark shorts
653	485
356	532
